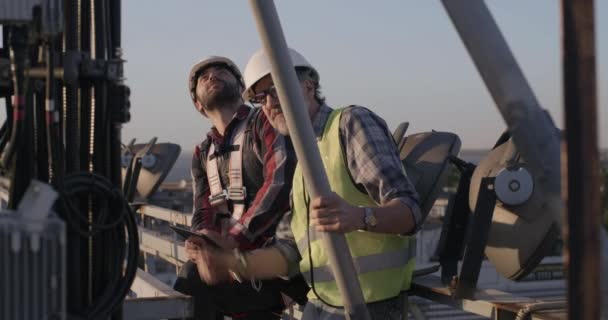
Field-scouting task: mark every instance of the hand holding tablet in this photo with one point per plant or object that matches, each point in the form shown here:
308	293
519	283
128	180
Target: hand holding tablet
186	233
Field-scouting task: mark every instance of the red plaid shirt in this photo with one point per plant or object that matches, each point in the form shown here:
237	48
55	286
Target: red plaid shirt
268	166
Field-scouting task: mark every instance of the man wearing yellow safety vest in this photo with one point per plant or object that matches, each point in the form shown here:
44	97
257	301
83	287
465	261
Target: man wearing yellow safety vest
373	203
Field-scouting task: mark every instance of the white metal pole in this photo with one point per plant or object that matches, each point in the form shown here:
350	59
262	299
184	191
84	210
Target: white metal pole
303	138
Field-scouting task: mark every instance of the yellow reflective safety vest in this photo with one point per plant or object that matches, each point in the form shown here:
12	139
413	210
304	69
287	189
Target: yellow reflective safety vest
384	262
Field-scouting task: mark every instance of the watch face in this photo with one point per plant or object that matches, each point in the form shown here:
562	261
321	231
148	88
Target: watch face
370	218
373	220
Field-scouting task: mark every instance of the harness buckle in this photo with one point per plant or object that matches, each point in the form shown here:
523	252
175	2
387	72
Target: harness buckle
219	199
237	194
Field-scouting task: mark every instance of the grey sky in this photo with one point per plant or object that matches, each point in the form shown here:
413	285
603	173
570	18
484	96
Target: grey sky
402	59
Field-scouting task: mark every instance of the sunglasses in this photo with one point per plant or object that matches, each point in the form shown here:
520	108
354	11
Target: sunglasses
260	98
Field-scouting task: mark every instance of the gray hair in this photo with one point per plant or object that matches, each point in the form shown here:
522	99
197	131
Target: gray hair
310	74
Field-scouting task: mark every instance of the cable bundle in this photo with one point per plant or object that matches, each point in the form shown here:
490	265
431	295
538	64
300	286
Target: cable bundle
114	226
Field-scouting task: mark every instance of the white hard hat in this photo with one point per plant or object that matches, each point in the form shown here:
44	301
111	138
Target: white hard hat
206	62
259	66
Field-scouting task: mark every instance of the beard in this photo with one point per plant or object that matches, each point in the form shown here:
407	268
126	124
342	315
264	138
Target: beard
215	98
280	124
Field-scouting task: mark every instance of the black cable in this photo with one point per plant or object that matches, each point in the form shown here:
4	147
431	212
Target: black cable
69	146
107	25
17	57
8	122
3	132
71	103
83	183
115	224
312	274
113	14
53	134
15	156
7	127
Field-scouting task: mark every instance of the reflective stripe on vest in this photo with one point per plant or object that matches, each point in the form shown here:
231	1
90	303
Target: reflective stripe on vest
384	262
236	190
365	264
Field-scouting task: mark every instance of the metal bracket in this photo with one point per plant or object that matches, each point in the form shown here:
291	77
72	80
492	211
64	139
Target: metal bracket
79	66
132	175
97	69
477	238
219	199
120	103
455	222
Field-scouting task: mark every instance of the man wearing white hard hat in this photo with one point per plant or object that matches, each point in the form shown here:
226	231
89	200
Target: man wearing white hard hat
373	203
242	174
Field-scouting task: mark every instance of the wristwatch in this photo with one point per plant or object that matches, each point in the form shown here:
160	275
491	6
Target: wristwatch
369	219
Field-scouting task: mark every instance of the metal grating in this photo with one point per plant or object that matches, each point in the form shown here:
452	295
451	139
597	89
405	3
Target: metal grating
32	269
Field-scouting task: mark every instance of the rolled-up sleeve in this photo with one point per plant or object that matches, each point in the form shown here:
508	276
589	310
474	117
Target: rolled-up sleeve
374	163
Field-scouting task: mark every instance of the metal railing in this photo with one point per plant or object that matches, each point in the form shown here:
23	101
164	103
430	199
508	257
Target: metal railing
150	295
152	298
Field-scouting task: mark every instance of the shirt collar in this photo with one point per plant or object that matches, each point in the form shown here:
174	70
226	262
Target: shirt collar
241	114
319	120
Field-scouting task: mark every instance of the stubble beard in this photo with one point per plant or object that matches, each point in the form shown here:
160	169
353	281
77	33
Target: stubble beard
280	124
227	95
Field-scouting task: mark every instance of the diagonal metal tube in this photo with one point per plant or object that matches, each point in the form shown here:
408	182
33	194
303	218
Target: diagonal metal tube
531	127
303	138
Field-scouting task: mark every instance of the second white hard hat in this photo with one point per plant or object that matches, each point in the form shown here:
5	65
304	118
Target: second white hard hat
259	66
206	62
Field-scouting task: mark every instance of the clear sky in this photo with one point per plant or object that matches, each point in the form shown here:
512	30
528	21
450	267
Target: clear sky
402	59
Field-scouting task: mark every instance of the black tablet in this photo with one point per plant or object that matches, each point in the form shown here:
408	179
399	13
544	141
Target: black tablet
186	233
